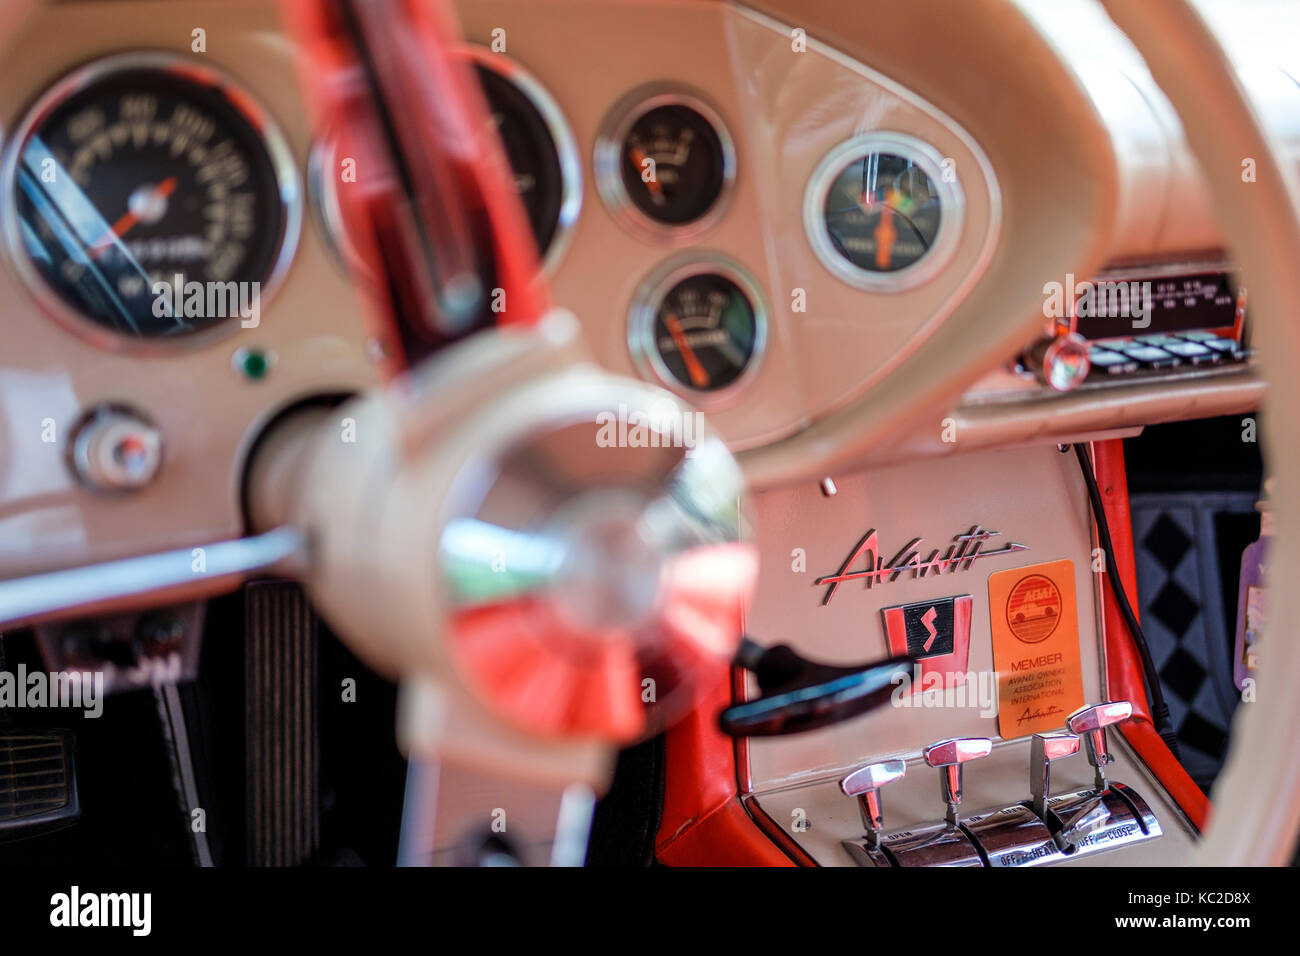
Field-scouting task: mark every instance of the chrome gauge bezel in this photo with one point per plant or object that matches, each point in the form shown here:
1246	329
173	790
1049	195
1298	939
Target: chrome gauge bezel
607	164
952	214
242	103
566	147
323	189
645	307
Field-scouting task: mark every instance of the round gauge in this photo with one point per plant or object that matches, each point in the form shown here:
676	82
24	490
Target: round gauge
150	199
539	146
538	143
882	211
665	166
699	327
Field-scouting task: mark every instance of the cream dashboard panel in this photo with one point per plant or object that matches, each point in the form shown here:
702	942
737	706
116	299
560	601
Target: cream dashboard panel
1031	496
208	415
785	111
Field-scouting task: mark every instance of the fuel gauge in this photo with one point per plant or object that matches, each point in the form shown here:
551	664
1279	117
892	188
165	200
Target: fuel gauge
700	327
665	165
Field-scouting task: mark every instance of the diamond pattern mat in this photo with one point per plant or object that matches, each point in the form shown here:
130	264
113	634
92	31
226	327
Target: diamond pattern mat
1183	563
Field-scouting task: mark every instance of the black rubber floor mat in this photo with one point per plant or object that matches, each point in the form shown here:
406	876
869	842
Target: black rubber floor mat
1188	546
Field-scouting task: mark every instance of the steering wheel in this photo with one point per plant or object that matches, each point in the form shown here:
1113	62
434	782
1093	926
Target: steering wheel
532	389
1256	800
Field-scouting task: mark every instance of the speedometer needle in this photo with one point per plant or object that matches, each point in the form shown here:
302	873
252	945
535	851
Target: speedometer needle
699	377
128	220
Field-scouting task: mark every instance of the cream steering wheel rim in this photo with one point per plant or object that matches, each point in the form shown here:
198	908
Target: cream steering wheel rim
1256	802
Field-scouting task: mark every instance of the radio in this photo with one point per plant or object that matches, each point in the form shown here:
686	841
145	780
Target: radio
1137	323
1126	324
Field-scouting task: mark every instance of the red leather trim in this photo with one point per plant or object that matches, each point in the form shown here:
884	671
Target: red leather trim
1124	679
727	836
704	822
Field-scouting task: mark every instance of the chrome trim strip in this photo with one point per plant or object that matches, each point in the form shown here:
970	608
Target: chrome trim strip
150	577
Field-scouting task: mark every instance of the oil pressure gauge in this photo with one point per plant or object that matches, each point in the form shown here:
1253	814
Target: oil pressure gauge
699	326
664	165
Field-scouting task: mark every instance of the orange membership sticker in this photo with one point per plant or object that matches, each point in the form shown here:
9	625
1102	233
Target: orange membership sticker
1035	628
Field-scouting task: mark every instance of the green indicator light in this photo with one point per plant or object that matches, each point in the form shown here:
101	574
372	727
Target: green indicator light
253	364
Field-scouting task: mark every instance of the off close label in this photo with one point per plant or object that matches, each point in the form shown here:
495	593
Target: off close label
1034	623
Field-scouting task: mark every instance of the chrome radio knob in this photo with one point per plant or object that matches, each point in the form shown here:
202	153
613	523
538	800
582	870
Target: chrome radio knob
865	783
1061	362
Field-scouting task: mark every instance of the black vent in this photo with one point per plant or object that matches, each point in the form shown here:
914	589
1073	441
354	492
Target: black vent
280	721
37	782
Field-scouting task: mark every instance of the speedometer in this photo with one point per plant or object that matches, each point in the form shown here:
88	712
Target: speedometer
151	199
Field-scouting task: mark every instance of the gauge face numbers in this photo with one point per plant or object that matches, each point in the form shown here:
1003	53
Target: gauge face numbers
707	331
145	178
882	212
529	138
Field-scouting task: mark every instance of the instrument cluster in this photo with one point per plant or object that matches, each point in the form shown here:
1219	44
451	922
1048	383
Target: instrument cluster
765	247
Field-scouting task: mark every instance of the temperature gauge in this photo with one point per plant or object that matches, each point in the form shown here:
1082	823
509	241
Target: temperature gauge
700	328
664	167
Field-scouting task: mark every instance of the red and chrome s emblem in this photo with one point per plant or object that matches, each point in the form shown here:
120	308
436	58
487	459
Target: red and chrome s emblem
961	554
936	634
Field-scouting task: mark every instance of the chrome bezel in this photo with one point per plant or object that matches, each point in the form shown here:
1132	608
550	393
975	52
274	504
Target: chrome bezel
238	99
566	147
324	196
607	160
645	306
951	217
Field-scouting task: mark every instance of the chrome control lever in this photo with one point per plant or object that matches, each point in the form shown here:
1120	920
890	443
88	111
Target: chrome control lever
948	756
1090	723
1044	749
865	783
1089	816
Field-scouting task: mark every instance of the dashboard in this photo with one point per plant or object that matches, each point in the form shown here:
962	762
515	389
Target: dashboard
767	223
760	208
716	226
